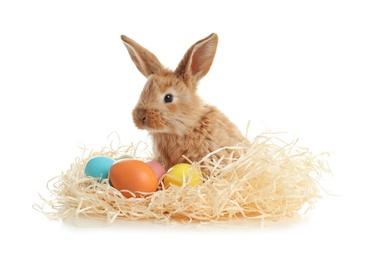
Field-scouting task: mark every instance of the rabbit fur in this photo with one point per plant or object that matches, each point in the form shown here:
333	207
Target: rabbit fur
178	120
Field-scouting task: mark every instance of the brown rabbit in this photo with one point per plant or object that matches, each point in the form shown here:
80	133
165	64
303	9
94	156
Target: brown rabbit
179	122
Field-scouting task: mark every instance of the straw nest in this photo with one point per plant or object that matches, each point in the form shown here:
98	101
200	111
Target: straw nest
270	179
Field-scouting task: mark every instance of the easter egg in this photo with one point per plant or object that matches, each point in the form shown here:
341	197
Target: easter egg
133	175
98	167
157	168
183	172
124	156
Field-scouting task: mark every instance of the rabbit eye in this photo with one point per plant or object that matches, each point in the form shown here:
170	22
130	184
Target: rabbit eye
168	98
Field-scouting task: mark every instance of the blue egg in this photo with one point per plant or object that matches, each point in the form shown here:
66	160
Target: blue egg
98	167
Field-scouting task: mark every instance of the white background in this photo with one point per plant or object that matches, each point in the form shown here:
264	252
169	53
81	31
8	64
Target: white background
65	77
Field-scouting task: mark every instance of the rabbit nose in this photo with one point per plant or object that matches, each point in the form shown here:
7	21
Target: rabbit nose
142	113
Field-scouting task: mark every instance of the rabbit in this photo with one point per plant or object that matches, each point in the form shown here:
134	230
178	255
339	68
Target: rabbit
177	119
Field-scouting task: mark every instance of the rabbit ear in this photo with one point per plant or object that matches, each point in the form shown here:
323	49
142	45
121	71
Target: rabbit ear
146	62
198	59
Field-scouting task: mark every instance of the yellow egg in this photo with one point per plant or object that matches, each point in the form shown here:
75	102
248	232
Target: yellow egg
183	173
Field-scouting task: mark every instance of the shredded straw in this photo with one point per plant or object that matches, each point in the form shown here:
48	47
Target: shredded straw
269	179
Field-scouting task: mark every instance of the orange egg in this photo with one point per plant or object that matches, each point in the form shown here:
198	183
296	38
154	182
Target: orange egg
133	175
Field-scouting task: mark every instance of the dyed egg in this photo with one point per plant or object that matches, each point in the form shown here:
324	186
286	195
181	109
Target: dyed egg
183	172
157	168
124	156
133	175
98	167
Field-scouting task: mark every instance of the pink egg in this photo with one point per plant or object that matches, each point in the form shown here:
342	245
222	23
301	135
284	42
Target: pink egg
157	168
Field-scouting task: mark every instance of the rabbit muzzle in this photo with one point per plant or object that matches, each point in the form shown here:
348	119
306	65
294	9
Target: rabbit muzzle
148	119
142	115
